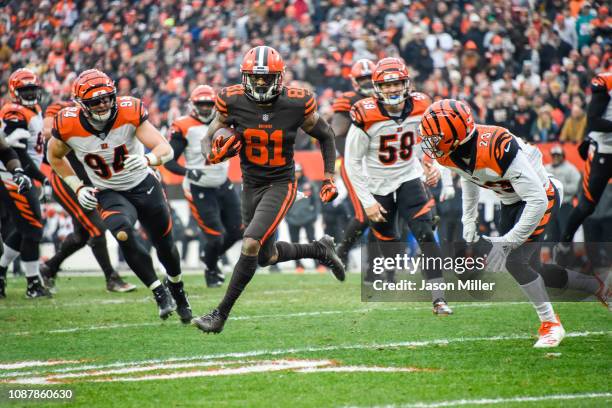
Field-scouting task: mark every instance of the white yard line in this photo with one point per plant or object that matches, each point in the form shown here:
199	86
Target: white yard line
37	363
257	353
493	401
255	317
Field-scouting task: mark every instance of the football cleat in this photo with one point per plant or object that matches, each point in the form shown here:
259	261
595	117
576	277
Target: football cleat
165	302
214	278
2	288
116	284
551	334
604	293
441	308
48	276
329	257
212	322
343	253
36	289
183	308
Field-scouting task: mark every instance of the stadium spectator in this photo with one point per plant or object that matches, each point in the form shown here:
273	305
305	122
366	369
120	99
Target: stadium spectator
575	126
544	128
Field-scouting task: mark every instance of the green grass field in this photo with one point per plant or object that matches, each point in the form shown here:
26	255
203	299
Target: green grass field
294	340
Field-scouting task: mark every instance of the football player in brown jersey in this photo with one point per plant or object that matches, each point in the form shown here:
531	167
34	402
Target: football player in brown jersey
266	115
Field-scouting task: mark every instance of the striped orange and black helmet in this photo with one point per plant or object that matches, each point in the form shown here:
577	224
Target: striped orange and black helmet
262	71
445	125
94	88
202	100
24	87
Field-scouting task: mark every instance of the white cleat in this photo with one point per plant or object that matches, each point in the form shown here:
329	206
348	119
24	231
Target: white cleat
551	334
441	308
604	293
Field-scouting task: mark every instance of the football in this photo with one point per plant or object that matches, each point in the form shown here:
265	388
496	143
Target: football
226	133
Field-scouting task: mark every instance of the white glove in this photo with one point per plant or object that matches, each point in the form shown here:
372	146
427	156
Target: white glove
135	162
496	259
87	197
15	139
470	232
447	193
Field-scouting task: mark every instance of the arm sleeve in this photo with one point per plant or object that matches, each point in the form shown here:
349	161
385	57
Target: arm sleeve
357	142
470	193
325	135
29	167
597	107
529	187
178	145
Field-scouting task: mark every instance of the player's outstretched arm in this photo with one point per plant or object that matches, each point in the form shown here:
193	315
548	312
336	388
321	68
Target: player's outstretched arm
529	187
340	124
220	121
160	149
470	194
318	128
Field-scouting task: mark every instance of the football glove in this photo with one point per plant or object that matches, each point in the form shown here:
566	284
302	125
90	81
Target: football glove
496	259
195	174
23	182
223	150
329	191
135	162
46	192
87	197
18	138
470	232
447	193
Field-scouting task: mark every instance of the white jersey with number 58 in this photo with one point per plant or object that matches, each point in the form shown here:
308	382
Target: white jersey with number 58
385	145
103	152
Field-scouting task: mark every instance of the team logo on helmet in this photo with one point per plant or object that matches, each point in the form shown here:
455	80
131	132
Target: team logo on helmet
445	125
24	87
390	70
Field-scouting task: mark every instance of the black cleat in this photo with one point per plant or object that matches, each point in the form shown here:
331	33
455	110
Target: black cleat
183	308
116	284
165	302
214	277
212	322
342	251
36	289
2	288
48	276
330	258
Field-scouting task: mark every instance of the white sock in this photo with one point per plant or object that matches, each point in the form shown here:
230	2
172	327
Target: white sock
175	279
581	282
8	257
31	269
155	284
436	293
536	293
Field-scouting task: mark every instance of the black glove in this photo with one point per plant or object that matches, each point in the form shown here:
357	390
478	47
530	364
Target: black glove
194	174
24	184
583	148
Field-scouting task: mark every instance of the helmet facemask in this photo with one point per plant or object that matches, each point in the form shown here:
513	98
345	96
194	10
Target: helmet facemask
92	108
28	95
270	88
364	85
204	110
392	98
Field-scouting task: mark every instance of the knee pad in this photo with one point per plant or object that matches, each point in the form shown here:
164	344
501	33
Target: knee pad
121	227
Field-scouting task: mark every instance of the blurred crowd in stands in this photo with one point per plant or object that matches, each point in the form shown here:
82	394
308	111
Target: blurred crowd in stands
523	64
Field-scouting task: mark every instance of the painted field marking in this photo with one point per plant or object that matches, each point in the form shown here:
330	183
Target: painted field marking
257	353
36	363
493	401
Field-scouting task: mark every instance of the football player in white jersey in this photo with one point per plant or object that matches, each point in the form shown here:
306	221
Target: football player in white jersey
107	135
491	157
380	143
597	149
22	122
212	199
